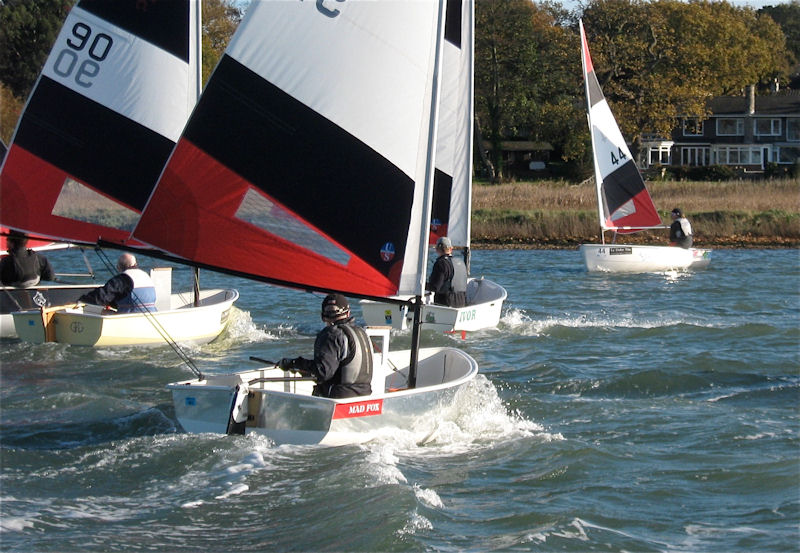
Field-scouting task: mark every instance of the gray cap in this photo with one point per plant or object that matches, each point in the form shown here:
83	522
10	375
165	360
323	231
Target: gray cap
444	242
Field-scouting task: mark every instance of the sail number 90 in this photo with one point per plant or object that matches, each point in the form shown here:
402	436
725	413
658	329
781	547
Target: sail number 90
68	62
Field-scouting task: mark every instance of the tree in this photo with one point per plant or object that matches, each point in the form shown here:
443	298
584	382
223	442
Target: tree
220	19
505	72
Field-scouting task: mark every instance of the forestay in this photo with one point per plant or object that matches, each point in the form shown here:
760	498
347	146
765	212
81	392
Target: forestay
306	166
103	117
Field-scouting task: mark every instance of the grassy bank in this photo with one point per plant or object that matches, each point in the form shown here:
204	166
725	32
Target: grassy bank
546	214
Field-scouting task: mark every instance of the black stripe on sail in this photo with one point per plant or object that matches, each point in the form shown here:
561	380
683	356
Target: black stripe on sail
452	22
595	92
164	23
295	155
622	185
442	190
93	143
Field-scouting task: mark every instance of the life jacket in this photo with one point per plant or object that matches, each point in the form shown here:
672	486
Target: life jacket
457	294
356	368
686	226
143	295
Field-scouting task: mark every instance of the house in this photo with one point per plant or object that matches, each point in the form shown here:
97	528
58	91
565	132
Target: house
523	158
745	132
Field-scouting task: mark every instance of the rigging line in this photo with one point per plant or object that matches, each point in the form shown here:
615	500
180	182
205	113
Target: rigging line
182	355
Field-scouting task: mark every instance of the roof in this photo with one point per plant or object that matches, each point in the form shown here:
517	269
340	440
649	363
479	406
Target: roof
773	104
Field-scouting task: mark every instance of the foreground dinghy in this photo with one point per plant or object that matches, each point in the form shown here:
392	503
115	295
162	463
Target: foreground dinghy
354	221
623	202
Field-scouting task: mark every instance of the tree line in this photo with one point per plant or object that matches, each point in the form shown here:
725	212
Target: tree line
656	60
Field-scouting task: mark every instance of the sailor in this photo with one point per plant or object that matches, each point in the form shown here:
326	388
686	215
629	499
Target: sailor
342	364
129	291
448	280
23	267
680	231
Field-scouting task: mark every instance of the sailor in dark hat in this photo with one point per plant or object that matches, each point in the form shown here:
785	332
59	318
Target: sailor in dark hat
680	232
342	364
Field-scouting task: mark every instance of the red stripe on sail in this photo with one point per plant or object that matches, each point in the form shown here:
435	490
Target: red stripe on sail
192	213
587	59
645	215
29	208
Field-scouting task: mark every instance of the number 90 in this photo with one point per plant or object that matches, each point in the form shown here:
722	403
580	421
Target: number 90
67	58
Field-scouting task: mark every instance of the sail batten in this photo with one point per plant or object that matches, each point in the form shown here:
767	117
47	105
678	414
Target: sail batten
302	167
624	204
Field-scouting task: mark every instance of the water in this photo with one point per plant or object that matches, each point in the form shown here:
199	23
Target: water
613	413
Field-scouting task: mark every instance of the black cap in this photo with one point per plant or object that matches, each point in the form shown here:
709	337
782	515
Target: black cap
677	212
335	307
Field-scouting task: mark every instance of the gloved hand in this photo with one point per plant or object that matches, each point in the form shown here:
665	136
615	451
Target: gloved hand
287	364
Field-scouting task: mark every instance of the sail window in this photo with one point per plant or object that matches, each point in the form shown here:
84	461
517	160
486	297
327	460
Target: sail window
272	218
80	203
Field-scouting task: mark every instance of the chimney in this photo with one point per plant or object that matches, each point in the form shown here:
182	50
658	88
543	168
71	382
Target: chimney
751	99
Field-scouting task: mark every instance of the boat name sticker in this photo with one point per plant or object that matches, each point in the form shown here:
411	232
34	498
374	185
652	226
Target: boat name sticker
359	409
620	251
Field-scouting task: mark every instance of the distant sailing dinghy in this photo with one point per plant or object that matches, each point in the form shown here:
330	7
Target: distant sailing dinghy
624	204
320	178
98	127
452	201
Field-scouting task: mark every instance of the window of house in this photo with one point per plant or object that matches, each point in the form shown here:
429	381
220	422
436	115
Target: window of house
788	154
767	127
695	156
739	155
659	155
692	127
793	129
729	126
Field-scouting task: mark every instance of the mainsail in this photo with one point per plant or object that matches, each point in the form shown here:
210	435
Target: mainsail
624	204
109	105
305	164
452	193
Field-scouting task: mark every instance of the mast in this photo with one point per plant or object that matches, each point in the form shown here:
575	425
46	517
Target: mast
598	177
427	198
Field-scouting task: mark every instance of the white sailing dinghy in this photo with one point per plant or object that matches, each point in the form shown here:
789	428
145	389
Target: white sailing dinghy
106	111
452	196
314	172
623	202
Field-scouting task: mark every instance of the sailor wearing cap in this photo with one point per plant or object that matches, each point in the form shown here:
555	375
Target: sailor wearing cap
448	280
342	364
680	232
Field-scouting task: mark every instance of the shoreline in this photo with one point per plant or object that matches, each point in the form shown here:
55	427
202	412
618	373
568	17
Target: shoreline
752	243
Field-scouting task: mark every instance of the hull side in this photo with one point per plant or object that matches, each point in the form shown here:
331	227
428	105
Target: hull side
485	303
618	258
19	299
90	327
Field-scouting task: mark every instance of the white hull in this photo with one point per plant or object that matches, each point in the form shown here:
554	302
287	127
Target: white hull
618	258
17	299
285	411
484	305
90	326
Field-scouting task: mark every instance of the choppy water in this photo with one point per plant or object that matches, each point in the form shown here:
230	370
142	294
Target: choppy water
613	413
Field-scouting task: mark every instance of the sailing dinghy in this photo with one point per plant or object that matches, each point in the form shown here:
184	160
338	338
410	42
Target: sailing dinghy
624	204
316	173
452	197
103	117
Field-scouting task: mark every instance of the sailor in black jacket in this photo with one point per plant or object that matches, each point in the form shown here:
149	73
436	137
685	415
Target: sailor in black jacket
342	364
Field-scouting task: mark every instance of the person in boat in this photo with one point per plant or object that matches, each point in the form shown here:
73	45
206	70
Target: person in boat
129	291
448	280
342	364
23	267
680	231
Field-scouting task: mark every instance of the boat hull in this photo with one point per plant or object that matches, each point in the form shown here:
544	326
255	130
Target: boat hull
19	299
484	307
91	326
613	258
287	412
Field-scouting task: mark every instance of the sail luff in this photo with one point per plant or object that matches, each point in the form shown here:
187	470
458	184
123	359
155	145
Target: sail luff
586	63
